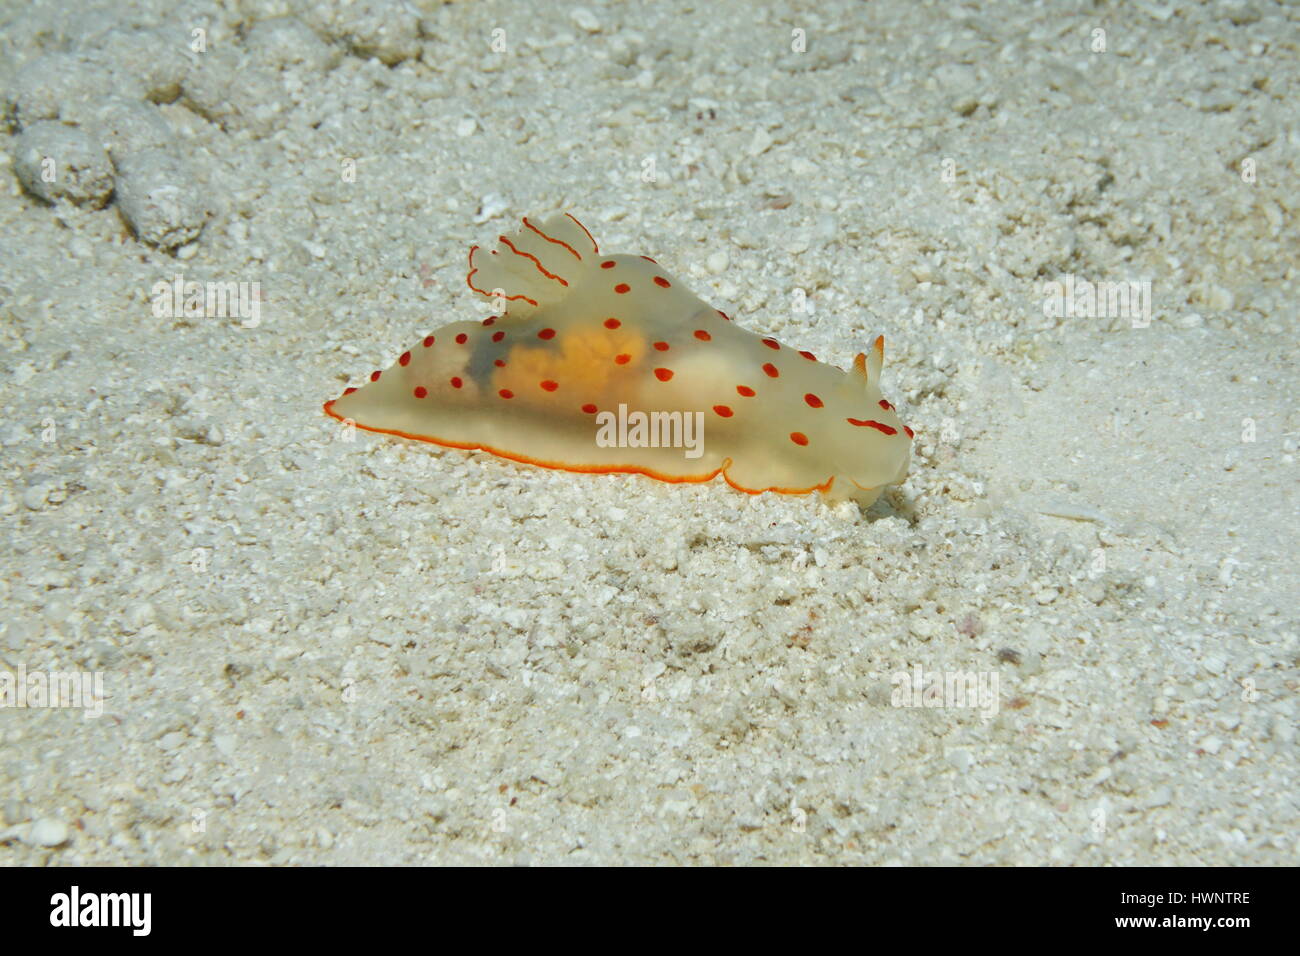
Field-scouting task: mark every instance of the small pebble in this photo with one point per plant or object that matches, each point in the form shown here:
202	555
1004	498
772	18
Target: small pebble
1219	299
922	627
1160	797
760	143
585	19
47	831
13	811
36	495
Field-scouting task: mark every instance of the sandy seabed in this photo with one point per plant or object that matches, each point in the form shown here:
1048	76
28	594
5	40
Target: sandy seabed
314	650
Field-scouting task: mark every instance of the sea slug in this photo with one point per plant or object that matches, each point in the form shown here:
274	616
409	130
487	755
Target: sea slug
609	364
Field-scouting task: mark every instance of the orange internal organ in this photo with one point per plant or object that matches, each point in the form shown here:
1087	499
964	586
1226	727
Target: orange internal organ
580	362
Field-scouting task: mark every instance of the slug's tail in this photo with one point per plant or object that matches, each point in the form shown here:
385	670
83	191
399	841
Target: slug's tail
534	265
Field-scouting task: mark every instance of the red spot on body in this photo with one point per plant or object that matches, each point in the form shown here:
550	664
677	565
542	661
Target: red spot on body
622	288
405	360
799	438
348	391
745	390
703	336
500	363
910	433
589	408
622	359
886	406
498	336
421	391
723	314
885	429
770	370
506	393
612	323
723	411
462	339
550	386
809	356
662	346
374	376
546	334
489	320
456	382
661	281
772	343
608	264
648	259
428	340
663	374
813	400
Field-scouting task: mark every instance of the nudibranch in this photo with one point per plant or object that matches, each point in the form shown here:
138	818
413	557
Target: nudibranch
605	363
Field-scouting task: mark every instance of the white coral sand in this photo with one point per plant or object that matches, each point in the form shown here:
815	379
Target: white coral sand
319	650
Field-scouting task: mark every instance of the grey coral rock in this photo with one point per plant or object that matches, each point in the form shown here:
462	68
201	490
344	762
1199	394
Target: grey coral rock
52	84
158	198
388	30
158	60
286	43
229	88
125	126
58	162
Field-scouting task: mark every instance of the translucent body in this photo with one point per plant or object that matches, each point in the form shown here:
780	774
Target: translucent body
589	338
